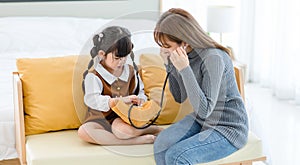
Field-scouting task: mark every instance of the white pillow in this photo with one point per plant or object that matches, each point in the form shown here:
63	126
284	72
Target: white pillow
44	34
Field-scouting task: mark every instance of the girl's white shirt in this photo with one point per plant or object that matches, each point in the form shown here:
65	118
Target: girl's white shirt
94	87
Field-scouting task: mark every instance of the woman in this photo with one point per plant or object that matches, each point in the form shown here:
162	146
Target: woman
202	71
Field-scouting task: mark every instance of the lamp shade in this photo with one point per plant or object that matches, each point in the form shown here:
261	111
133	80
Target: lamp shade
220	19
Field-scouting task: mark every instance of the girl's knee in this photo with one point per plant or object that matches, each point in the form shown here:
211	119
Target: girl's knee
83	134
123	133
122	130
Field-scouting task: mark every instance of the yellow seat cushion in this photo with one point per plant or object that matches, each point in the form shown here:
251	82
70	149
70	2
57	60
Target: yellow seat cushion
65	147
52	92
153	76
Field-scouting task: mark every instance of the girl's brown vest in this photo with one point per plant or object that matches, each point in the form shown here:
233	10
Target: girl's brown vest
116	89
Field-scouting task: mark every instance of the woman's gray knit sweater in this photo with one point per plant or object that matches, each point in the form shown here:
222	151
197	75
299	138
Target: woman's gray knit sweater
209	83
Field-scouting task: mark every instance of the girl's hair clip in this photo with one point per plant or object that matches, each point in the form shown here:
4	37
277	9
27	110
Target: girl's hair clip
101	35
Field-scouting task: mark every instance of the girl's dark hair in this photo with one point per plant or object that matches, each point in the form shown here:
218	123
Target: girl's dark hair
113	39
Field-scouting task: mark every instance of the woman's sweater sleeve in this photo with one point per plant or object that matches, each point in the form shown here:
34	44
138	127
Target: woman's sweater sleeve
204	97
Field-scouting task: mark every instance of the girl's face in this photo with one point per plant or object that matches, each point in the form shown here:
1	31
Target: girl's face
113	62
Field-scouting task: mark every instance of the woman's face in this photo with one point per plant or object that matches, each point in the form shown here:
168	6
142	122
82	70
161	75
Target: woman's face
170	45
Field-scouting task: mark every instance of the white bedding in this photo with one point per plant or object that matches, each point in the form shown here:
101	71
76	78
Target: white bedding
48	37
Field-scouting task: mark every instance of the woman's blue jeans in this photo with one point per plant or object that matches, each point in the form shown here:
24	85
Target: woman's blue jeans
183	143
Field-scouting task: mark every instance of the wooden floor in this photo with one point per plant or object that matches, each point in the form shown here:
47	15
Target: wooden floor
10	162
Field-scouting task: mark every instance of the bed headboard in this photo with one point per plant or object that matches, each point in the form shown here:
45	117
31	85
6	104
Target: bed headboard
107	9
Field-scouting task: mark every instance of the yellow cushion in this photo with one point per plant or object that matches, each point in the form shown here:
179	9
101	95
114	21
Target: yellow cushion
153	76
52	92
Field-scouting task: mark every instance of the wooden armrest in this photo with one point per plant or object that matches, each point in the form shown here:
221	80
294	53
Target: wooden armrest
239	75
19	118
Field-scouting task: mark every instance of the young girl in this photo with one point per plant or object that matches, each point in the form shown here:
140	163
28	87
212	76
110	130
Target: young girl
202	71
112	80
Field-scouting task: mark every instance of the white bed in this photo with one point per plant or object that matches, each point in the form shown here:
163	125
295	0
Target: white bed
47	29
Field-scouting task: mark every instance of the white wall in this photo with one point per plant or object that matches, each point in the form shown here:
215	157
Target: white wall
95	9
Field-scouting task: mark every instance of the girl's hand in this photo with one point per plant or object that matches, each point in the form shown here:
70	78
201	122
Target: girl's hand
165	53
129	99
138	101
179	58
132	99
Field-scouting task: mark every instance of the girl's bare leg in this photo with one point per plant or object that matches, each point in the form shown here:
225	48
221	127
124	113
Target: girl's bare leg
94	133
123	130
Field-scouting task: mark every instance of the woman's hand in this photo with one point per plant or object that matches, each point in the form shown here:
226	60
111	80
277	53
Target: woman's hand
179	58
165	54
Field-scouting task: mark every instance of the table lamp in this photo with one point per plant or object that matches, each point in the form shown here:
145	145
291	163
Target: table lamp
220	19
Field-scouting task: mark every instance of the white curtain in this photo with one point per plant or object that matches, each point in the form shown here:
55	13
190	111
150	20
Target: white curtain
270	45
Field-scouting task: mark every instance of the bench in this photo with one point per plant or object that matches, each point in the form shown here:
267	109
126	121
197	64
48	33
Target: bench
64	147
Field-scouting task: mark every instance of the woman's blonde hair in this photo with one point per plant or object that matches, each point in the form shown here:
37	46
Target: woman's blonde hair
179	26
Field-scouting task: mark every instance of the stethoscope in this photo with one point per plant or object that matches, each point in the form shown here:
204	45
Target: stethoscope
151	121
